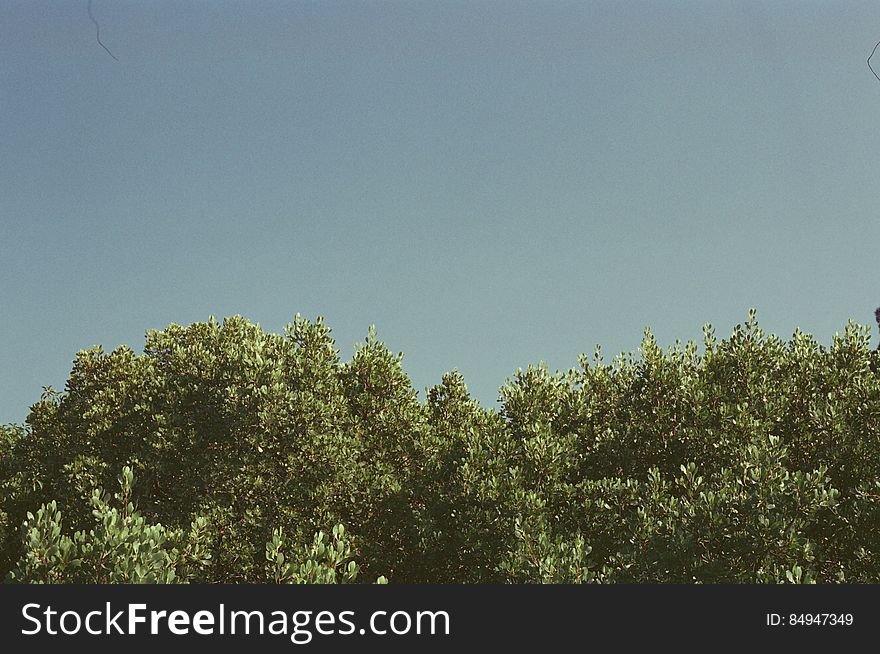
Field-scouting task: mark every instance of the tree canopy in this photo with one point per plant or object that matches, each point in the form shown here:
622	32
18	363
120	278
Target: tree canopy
238	455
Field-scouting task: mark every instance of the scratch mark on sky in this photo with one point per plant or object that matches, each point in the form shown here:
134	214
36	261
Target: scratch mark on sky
98	32
869	61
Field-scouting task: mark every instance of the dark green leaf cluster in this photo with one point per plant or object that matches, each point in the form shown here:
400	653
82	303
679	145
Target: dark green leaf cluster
749	460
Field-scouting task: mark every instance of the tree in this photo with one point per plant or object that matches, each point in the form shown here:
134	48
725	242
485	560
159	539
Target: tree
750	459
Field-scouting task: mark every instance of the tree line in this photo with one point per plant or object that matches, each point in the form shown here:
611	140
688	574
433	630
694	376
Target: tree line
224	453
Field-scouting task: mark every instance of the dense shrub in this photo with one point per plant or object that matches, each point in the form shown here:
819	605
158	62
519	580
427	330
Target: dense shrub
752	459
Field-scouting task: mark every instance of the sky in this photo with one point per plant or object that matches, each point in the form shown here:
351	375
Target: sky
491	184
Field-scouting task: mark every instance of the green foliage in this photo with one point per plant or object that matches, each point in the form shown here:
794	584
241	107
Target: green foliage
748	460
322	563
123	548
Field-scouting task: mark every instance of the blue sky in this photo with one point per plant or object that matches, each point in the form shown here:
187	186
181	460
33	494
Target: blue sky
491	184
